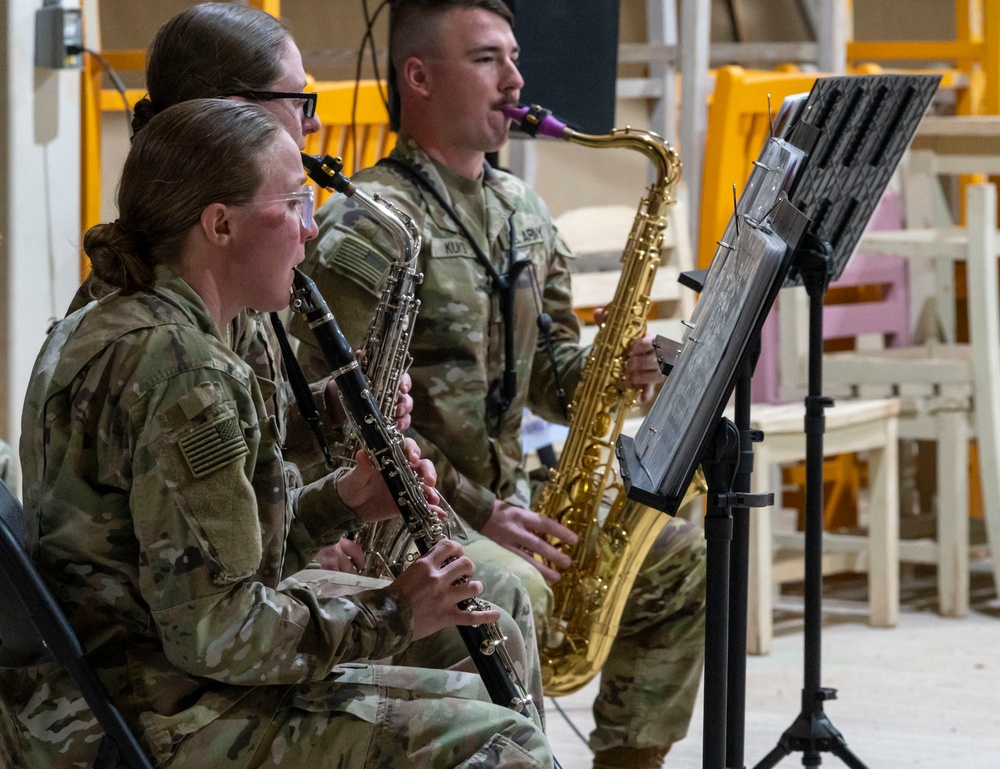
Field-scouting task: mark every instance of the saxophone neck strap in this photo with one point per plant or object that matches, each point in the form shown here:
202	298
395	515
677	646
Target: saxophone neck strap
503	391
500	282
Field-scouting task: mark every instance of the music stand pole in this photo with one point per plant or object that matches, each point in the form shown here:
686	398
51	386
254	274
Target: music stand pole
739	563
812	733
725	462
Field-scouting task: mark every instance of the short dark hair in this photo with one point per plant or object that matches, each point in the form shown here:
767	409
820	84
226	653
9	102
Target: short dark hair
414	24
208	51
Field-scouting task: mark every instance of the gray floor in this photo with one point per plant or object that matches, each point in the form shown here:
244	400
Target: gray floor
924	694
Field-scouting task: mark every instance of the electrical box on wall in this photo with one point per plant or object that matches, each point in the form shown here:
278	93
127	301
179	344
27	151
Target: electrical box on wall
58	37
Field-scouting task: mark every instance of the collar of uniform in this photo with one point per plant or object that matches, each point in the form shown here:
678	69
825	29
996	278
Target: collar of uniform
170	287
407	149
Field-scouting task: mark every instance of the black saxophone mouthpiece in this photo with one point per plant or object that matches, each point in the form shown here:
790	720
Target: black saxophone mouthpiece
327	172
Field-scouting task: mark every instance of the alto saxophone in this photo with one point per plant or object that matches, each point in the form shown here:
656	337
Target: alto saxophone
385	356
384	445
591	595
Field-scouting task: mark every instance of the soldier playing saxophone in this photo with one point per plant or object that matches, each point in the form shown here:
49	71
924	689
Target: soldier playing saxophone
479	355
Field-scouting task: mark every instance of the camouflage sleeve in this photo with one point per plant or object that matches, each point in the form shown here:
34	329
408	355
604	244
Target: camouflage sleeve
207	525
469	499
557	301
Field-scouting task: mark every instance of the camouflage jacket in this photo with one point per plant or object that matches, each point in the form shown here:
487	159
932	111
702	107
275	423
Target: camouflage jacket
160	511
458	338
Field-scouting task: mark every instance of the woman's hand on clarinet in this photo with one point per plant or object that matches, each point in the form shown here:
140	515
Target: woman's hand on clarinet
404	403
524	532
434	587
362	489
346	556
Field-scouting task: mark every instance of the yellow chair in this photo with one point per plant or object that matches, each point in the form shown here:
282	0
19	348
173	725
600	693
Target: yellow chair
974	54
737	127
360	144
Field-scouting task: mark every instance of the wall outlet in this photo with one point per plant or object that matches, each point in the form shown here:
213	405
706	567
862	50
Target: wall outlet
58	37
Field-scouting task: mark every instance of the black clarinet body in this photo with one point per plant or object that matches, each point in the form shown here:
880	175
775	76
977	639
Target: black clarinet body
384	444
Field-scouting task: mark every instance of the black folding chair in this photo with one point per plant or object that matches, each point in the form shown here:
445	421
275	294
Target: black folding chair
33	628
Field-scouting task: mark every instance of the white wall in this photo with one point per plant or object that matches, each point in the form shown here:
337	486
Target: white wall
39	202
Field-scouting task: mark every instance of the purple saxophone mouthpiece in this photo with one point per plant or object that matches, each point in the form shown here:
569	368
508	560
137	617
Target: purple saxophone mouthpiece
535	120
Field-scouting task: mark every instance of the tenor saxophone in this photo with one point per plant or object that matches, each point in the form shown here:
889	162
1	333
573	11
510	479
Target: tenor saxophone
591	595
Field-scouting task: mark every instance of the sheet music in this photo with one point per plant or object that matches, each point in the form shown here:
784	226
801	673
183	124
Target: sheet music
688	405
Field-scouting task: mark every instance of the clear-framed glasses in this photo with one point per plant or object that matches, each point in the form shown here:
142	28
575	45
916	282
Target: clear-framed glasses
308	99
303	199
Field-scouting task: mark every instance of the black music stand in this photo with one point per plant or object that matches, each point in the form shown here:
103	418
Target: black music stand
864	124
685	427
853	132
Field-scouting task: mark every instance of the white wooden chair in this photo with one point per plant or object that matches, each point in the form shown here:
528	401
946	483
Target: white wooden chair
597	235
777	556
948	392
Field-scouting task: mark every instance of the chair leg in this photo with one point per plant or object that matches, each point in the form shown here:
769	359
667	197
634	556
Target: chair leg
883	532
953	513
984	319
760	583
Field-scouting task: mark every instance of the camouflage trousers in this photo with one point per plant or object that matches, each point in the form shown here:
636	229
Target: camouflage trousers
650	681
378	717
397	714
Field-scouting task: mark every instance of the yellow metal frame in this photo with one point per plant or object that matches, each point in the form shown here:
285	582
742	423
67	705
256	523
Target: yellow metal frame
361	145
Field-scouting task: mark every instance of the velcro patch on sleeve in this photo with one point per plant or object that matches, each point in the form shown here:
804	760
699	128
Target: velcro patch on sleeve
357	260
214	445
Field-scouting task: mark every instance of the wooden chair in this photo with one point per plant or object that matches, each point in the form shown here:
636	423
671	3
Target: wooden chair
597	236
948	391
973	55
738	125
776	553
358	145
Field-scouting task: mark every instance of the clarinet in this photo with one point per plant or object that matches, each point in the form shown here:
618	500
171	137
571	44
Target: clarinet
384	445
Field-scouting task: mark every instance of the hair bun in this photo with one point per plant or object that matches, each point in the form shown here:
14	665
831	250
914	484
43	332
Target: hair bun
142	113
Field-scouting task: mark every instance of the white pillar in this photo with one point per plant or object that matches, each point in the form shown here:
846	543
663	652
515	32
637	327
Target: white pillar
39	202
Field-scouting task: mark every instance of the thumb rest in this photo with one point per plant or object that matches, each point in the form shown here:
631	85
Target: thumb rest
592	594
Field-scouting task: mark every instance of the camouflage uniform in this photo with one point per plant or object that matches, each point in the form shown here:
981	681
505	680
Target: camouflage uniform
162	514
8	467
650	682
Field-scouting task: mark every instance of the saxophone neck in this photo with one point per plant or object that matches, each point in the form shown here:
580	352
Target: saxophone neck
666	161
535	120
328	173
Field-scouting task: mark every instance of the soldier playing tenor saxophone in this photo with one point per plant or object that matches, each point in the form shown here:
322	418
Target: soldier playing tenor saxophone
494	266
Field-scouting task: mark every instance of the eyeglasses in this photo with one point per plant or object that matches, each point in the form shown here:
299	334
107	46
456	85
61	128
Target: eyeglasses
308	99
303	198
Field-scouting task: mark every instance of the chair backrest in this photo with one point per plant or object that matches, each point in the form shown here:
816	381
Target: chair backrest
598	234
32	626
867	307
359	145
738	125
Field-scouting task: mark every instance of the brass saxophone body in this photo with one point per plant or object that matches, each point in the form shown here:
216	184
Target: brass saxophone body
591	595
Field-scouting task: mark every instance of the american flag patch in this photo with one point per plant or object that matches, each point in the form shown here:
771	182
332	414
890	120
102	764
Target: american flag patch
213	446
356	258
